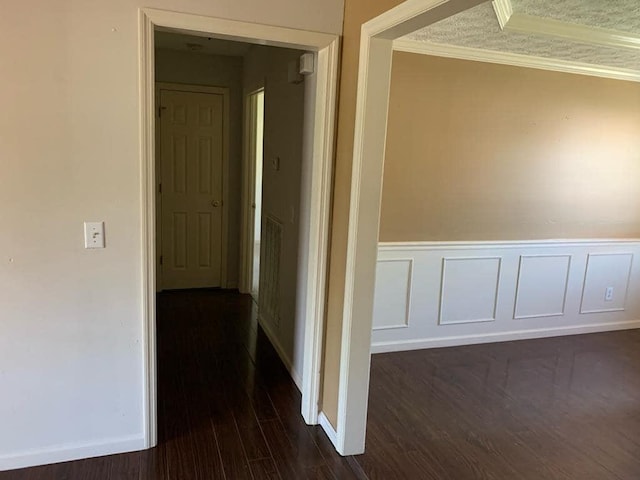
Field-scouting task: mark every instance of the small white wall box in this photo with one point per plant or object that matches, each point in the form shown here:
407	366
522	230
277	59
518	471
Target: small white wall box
93	234
292	75
307	63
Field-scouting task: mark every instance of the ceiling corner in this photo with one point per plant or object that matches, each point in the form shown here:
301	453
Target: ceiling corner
504	10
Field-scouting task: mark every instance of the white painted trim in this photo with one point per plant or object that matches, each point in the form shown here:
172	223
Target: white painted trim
374	78
288	363
416	344
326	46
409	299
514	59
584	284
221	28
491	244
568	256
550	27
76	451
224	91
328	428
503	10
148	220
319	225
443	282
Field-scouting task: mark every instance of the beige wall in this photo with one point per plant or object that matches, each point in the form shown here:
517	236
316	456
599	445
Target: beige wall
218	71
356	13
478	151
71	354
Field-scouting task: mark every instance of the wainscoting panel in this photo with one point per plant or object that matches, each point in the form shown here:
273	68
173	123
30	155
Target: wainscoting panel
606	271
469	290
535	298
434	294
393	294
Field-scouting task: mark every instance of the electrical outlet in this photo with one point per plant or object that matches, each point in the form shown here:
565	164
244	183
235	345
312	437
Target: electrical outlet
608	294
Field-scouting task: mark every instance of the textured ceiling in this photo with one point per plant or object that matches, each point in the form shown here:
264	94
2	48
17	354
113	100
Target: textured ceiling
478	28
210	46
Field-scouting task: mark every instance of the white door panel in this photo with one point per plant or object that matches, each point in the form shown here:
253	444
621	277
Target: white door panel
191	154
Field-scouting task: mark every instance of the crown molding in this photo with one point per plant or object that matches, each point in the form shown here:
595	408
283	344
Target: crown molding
503	10
550	27
514	59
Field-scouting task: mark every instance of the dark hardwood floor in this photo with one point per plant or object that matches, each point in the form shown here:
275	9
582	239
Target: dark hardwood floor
558	408
561	408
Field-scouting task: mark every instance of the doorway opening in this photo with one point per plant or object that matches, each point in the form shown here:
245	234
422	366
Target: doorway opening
255	140
222	216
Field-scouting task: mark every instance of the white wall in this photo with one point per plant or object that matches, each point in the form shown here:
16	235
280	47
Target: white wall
432	294
218	71
71	319
283	138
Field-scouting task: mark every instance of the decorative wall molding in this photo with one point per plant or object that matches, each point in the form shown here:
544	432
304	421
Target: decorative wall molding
455	341
498	291
389	294
616	268
514	59
550	295
503	10
535	25
481	244
469	289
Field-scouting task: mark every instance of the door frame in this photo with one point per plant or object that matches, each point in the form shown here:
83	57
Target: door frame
320	141
372	104
248	187
189	88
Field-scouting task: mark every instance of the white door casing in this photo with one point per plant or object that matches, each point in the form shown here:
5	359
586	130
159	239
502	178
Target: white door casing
319	138
192	149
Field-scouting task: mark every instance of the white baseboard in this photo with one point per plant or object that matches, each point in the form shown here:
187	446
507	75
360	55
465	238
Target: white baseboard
65	453
328	429
297	379
418	344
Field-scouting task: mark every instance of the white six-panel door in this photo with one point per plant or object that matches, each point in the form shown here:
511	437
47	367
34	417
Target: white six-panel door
191	171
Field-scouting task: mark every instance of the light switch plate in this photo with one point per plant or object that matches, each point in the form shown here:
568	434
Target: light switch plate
93	234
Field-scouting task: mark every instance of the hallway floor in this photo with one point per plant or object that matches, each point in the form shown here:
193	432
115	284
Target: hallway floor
564	408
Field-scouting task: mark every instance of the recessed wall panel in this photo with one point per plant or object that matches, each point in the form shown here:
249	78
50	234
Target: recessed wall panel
542	285
469	289
606	271
392	294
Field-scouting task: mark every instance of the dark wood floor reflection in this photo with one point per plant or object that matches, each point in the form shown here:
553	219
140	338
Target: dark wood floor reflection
560	408
551	409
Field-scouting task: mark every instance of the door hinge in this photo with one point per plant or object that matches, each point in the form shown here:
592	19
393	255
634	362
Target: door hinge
160	188
160	109
161	260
